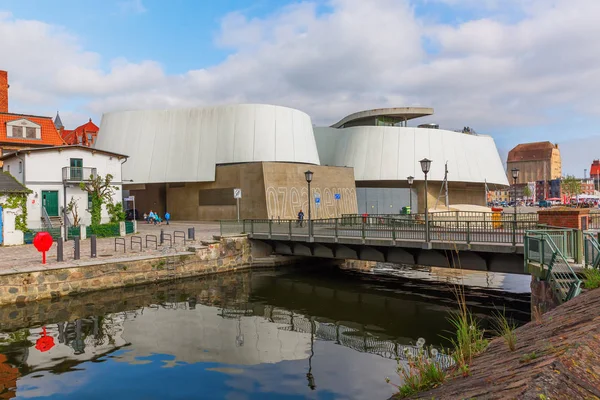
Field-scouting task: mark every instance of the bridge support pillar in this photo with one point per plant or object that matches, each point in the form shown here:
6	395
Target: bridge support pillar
543	298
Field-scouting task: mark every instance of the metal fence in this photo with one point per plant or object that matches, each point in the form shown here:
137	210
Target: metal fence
467	227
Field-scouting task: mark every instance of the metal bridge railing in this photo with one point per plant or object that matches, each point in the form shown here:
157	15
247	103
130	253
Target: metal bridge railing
449	227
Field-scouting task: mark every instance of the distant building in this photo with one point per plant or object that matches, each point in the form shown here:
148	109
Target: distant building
23	131
587	187
595	173
84	135
538	161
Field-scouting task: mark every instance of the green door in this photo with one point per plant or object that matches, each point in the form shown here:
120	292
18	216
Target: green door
76	169
50	202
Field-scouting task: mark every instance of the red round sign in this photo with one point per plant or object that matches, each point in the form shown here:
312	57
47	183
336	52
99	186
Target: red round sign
42	241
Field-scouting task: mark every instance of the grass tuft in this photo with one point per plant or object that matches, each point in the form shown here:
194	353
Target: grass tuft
591	278
422	372
505	329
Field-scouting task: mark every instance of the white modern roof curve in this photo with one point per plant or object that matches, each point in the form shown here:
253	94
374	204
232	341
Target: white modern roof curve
185	145
390	153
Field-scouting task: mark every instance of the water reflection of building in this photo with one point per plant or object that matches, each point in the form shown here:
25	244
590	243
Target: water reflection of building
8	378
204	334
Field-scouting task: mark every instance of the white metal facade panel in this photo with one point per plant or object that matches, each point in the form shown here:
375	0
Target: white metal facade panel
184	145
393	153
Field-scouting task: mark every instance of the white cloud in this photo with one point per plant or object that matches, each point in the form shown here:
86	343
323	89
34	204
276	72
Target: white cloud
490	73
131	7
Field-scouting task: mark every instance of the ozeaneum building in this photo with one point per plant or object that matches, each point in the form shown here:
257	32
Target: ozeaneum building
188	161
384	152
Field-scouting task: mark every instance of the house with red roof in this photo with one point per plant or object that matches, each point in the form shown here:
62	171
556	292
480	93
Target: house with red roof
23	131
84	135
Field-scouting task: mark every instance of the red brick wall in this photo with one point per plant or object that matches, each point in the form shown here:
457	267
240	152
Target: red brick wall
3	91
564	218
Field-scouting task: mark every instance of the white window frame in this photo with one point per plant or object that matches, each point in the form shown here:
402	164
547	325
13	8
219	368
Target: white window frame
24	123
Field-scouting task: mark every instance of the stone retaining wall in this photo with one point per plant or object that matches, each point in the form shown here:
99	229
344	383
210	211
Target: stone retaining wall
215	290
226	254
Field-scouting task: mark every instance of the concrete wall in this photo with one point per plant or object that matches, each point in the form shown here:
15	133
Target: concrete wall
385	200
286	190
225	255
269	190
458	193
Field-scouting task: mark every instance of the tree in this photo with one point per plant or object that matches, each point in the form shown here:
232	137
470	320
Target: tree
101	192
571	186
73	208
526	192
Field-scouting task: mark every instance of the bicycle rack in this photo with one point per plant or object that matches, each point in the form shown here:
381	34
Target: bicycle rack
178	234
120	242
136	240
167	236
152	239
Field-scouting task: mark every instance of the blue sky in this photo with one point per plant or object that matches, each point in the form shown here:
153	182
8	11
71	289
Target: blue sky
518	70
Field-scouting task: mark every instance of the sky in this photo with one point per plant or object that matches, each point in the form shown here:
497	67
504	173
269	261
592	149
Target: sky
518	70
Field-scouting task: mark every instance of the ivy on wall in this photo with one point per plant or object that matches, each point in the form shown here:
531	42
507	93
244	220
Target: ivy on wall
18	201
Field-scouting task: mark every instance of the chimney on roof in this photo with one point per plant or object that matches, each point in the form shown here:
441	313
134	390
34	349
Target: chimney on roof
3	92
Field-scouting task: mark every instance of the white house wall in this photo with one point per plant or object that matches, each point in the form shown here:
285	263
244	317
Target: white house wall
185	145
10	235
393	153
43	172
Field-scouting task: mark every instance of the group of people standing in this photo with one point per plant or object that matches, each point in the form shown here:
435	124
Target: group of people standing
154	218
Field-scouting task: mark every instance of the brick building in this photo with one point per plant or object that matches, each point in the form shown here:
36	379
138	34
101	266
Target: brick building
539	161
22	131
84	135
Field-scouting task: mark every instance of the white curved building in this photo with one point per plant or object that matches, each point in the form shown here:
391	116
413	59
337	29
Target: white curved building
383	152
185	145
188	161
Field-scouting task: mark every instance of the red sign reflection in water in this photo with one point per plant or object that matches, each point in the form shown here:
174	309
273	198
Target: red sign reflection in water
44	343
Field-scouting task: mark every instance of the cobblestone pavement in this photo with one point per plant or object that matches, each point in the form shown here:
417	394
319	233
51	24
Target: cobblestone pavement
27	258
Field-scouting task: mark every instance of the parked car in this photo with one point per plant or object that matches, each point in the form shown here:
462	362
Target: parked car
544	203
129	215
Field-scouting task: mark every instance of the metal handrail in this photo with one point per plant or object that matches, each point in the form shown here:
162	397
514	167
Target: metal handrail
78	174
591	256
565	282
46	218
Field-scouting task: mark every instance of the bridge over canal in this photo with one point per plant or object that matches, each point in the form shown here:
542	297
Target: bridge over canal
469	240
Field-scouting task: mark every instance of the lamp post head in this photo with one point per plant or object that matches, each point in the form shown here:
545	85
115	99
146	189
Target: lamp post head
308	175
410	180
425	165
515	173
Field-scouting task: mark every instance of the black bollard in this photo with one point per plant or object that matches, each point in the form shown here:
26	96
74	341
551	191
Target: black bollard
162	237
93	246
59	250
76	247
191	233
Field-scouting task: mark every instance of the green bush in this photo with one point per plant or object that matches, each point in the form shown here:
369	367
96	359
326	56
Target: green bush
591	278
116	212
104	230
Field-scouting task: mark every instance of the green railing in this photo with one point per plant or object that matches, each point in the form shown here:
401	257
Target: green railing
30	234
478	228
129	229
591	249
551	249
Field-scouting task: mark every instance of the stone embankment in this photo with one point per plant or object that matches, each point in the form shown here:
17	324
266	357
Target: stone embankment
31	282
557	356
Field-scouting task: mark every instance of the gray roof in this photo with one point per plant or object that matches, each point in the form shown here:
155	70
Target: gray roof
57	122
8	184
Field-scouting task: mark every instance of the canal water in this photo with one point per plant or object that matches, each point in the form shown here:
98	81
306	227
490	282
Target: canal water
287	334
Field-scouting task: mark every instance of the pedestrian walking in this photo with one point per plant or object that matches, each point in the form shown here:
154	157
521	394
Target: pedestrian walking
167	217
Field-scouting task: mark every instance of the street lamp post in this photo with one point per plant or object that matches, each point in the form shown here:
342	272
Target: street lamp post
410	180
515	176
425	165
309	176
